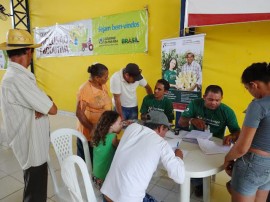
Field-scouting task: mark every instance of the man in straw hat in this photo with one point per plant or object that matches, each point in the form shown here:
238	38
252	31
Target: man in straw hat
24	109
137	157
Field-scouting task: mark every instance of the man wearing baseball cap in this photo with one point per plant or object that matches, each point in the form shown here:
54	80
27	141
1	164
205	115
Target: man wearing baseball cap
123	86
25	110
137	156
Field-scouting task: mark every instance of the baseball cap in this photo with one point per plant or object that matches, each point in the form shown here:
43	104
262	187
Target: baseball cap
157	117
134	71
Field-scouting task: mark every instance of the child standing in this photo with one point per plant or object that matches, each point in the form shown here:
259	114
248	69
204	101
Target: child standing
105	143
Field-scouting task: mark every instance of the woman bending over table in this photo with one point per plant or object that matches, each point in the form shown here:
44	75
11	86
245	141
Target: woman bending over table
251	170
92	100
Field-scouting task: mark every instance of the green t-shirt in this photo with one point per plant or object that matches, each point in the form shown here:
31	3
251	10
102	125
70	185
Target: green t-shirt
170	76
217	119
164	105
103	156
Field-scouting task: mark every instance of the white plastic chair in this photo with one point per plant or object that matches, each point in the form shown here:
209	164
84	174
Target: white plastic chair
61	140
70	174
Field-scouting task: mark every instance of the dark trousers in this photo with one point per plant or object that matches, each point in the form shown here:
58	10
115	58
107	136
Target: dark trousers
80	151
35	180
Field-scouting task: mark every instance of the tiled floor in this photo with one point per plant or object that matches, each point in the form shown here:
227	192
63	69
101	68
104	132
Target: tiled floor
161	187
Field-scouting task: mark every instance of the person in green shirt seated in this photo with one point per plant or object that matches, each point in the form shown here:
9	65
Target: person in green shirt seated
209	113
158	101
105	142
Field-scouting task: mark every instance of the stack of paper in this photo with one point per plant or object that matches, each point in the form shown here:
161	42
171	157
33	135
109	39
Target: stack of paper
210	147
193	135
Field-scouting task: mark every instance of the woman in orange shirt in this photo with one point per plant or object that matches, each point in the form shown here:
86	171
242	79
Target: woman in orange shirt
92	100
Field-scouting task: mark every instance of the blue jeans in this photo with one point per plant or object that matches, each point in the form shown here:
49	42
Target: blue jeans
251	173
130	113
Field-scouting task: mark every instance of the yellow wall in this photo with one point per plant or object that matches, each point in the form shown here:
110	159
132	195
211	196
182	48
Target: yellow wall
61	77
228	49
4	26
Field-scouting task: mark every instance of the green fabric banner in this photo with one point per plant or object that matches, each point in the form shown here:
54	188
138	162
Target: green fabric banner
121	33
113	34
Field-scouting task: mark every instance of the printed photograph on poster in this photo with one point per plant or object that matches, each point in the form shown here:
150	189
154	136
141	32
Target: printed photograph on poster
182	67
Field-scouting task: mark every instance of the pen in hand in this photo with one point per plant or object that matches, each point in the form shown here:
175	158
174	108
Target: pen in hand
178	152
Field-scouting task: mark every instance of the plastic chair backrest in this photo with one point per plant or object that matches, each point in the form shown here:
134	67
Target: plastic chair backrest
61	140
70	177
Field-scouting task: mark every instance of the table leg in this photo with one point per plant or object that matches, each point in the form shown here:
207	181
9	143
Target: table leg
185	190
206	188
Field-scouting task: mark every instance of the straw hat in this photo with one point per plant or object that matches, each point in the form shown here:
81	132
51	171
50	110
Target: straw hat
17	39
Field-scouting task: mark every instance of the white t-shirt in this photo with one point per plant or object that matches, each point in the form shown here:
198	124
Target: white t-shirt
136	159
127	90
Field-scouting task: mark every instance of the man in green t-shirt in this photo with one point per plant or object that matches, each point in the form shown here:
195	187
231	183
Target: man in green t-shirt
158	102
209	113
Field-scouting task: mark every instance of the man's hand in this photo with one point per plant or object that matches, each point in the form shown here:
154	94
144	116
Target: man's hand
179	153
38	115
198	123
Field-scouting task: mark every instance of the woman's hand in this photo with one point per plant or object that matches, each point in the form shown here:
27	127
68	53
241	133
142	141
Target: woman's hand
228	166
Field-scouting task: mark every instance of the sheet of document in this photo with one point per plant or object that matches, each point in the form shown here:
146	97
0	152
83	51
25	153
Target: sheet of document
194	134
210	147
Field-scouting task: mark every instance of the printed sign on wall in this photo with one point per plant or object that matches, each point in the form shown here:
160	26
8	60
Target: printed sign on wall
114	34
182	68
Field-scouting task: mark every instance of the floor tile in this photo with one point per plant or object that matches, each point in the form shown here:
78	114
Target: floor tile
159	193
18	176
6	155
14	197
10	166
165	182
2	174
172	197
8	186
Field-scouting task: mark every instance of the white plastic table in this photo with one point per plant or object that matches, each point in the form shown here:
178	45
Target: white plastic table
198	165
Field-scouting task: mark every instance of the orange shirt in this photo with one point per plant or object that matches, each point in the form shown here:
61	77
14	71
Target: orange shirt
97	101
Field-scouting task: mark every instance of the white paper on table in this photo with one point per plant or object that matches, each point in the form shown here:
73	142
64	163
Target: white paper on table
185	152
210	147
194	134
174	143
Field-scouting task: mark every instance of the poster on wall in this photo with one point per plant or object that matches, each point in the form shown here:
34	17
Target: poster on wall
3	60
114	34
182	67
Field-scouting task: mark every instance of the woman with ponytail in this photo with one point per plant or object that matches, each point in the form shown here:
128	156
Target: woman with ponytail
249	159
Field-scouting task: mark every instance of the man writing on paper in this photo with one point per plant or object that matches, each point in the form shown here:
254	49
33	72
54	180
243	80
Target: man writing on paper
209	113
137	157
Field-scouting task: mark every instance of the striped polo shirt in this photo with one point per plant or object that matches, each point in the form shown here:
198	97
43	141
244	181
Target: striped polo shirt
21	97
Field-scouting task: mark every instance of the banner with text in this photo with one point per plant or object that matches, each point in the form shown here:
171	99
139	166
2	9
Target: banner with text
114	34
182	68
